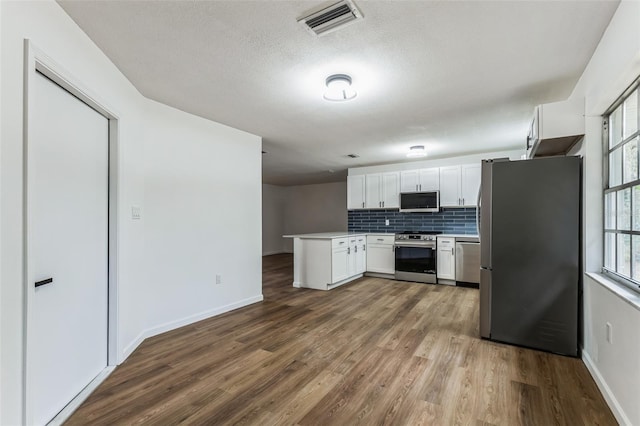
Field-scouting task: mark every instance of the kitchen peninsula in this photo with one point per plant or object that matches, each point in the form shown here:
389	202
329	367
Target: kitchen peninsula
326	260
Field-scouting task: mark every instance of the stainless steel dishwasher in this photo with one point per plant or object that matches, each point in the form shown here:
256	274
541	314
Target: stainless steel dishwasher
468	261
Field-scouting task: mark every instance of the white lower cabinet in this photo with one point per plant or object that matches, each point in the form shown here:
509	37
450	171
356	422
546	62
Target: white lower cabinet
446	260
340	264
360	254
324	263
380	254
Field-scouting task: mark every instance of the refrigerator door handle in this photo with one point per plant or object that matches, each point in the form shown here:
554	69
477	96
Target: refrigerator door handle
478	211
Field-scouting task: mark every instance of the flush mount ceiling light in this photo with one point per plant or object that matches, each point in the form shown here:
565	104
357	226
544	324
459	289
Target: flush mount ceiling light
339	88
417	151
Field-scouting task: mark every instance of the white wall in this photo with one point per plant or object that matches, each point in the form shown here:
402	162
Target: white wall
315	208
614	65
200	215
273	198
513	154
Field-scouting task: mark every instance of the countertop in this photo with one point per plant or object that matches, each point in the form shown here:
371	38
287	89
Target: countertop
344	234
326	235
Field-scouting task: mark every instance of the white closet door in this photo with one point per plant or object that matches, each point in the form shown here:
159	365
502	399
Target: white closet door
68	206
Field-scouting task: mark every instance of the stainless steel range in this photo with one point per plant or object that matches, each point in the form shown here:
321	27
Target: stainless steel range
416	256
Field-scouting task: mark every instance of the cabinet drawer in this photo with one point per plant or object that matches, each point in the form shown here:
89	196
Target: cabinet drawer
380	239
446	242
339	242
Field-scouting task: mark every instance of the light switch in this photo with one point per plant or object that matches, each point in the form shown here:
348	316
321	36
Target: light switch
135	213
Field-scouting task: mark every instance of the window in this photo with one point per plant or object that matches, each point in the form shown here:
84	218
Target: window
622	189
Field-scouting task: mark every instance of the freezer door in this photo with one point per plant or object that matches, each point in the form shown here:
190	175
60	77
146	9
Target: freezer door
485	213
485	303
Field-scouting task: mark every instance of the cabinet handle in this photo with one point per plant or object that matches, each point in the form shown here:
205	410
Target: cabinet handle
348	250
416	187
393	248
43	282
355	249
420	187
364	248
380	239
383	204
363	204
463	201
452	251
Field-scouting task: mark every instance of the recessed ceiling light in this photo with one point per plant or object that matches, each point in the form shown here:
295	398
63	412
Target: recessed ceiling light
417	151
339	88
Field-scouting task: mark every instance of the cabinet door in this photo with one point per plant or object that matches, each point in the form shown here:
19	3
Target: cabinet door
358	253
372	196
450	186
390	187
355	192
470	184
339	264
446	268
381	258
429	179
410	181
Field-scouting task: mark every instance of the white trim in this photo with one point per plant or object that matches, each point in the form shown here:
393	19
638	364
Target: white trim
172	325
620	290
76	402
615	407
37	61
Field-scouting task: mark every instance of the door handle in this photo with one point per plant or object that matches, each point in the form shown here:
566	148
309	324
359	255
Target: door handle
43	282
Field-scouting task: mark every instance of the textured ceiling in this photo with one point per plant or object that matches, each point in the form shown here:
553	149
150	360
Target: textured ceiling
458	77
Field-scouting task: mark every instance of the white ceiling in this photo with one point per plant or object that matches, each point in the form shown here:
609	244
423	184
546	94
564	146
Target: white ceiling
458	77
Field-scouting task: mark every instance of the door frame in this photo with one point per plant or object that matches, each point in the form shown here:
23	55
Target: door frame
36	61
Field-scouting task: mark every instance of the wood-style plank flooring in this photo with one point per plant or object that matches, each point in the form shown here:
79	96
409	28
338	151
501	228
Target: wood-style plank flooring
371	352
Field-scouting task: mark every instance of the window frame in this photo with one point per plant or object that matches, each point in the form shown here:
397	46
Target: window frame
628	281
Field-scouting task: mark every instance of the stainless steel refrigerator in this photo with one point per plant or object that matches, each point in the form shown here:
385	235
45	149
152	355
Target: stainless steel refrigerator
529	228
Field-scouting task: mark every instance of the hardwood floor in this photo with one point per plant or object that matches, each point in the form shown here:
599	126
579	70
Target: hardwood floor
371	352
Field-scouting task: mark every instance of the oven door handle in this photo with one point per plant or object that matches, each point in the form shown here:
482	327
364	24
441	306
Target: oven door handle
428	246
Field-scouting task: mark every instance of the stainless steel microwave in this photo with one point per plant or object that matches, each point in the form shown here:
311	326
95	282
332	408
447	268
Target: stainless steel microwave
428	201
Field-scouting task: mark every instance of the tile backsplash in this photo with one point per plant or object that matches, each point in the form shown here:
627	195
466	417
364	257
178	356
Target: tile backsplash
450	221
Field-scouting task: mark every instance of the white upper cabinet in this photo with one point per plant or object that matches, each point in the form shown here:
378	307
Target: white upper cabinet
420	180
450	186
382	190
355	192
470	184
459	185
390	190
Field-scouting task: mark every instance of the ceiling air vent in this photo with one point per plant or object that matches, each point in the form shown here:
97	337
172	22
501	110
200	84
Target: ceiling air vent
331	18
353	155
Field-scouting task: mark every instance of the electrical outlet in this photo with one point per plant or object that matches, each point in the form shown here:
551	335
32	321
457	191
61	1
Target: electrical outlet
135	213
609	332
218	279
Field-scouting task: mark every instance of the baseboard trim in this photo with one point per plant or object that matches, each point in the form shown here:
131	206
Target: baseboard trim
615	407
269	253
77	401
172	325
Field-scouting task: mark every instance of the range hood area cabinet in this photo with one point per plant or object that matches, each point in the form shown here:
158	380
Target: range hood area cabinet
555	128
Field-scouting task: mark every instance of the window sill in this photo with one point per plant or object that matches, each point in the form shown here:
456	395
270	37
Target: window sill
618	289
